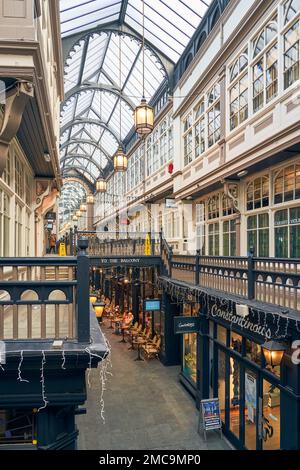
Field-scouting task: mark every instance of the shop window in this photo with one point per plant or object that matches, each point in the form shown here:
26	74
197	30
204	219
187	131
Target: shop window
214	207
239	102
6	176
229	238
211	328
271	416
214	239
222	334
291	55
258	193
236	342
250	409
227	202
258	234
189	366
234	397
200	228
221	383
253	352
287	233
287	184
17	427
19	177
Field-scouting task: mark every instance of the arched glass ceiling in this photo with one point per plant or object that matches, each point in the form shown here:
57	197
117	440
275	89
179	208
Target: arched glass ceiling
70	198
169	24
94	92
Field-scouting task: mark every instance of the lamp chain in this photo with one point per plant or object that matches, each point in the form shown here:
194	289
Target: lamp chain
143	44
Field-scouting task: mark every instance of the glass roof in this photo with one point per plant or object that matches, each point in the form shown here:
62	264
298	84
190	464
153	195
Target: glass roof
96	88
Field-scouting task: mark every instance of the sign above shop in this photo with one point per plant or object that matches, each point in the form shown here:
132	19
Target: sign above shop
119	261
152	305
184	325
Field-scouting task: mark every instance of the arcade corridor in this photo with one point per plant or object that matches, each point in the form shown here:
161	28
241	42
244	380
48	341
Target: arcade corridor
145	408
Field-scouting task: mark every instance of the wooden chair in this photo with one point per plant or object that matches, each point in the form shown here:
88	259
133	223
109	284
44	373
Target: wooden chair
152	351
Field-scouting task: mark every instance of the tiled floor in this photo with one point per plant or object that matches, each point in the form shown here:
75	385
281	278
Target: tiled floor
145	408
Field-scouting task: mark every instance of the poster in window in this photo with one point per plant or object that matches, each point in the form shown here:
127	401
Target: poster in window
250	396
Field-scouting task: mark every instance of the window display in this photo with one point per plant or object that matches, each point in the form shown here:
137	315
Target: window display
189	365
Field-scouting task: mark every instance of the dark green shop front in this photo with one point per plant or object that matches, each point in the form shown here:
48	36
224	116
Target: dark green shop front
259	405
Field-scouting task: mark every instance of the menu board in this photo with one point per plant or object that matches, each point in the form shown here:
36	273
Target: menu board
211	418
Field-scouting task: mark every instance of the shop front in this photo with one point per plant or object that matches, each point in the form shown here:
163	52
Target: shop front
188	374
259	402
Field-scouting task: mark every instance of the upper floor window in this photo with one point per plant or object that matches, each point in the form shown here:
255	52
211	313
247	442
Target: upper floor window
265	78
287	233
264	37
258	193
291	8
239	65
213	115
239	102
7	169
287	184
188	139
291	54
200	129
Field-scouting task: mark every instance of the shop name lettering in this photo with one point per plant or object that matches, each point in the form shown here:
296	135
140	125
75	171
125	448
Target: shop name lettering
241	322
119	261
186	325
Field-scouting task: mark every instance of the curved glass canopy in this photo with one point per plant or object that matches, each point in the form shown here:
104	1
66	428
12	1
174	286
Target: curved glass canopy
95	88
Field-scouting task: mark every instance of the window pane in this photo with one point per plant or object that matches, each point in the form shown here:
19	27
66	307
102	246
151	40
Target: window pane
281	242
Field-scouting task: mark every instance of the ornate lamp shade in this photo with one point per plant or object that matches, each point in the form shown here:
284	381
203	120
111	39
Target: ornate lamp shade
90	199
144	118
99	308
101	185
120	160
75	218
93	298
83	207
78	213
273	352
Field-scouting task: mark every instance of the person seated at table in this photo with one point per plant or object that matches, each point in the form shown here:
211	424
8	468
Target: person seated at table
127	318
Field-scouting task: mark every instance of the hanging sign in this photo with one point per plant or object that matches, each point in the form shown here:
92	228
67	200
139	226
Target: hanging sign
184	325
210	414
147	250
152	305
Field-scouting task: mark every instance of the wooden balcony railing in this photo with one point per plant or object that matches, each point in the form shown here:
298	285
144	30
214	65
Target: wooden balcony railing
269	280
45	298
120	244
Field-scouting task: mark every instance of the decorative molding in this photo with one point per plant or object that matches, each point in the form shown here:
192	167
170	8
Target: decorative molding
237	142
13	111
263	124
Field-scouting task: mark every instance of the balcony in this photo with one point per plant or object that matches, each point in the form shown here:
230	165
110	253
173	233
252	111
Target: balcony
43	300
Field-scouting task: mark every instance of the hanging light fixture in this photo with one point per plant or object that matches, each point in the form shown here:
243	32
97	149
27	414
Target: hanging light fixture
90	199
83	207
143	113
273	352
120	158
78	213
101	185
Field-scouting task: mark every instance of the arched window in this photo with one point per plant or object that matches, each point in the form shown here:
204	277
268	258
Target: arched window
287	184
265	36
215	17
258	193
201	40
228	204
239	65
291	8
214	207
188	60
